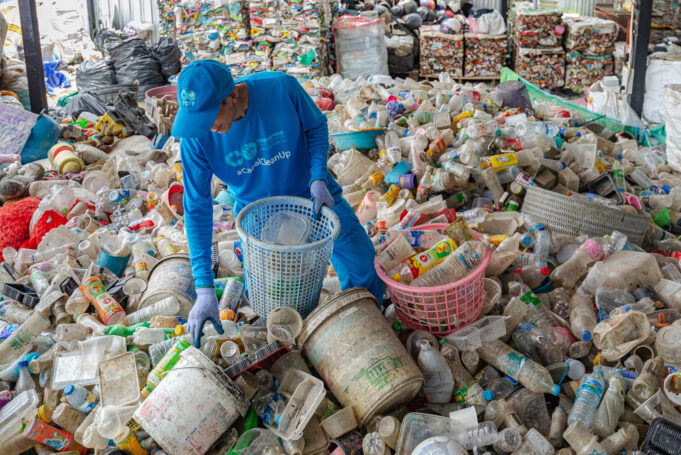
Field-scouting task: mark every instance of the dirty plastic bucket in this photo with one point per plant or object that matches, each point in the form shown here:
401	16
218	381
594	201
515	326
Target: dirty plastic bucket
167	92
192	407
171	277
356	351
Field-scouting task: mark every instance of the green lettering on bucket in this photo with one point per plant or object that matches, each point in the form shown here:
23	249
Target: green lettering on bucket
377	374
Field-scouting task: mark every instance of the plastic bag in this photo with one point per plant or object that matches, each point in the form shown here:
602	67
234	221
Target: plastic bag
133	62
95	74
660	72
85	102
491	24
168	53
360	47
672	108
604	99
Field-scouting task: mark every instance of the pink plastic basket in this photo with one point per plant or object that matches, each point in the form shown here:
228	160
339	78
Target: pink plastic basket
439	310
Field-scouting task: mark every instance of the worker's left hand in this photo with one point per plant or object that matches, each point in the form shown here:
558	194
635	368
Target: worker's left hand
320	195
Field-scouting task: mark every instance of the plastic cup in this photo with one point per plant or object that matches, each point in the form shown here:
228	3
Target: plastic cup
340	423
283	325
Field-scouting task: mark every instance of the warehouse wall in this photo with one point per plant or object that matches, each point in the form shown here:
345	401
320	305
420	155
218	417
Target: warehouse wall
118	13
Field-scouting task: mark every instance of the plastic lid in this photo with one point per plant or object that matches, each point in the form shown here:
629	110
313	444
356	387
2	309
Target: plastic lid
545	271
555	391
527	240
68	390
179	330
586	335
488	395
23	363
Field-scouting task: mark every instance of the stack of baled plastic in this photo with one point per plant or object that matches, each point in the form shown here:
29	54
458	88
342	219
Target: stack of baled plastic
484	55
538	53
589	43
215	32
440	52
304	47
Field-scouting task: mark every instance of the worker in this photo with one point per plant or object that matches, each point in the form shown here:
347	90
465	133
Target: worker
262	136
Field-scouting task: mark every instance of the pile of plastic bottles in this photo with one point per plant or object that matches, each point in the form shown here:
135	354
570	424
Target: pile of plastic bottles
569	342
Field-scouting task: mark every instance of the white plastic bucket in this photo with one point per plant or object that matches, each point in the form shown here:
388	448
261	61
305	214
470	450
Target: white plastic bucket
192	406
172	276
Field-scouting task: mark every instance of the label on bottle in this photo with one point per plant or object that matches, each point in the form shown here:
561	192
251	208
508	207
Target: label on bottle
93	289
37	430
514	144
511	361
141	267
593	249
8	330
166	364
503	161
423	262
593	385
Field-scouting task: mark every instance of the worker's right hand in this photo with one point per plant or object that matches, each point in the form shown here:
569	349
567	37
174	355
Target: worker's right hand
205	309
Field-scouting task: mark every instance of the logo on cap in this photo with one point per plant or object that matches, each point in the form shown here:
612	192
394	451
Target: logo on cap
187	98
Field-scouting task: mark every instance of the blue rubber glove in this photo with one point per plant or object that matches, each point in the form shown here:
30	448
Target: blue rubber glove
205	309
320	195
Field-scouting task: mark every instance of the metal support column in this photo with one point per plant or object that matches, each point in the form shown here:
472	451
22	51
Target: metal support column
33	55
638	58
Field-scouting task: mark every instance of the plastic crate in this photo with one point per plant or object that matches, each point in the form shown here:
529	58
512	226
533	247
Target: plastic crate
572	216
21	293
663	438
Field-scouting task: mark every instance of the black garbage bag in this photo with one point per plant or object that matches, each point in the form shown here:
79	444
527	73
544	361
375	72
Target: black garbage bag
85	102
107	38
127	110
168	54
95	74
134	63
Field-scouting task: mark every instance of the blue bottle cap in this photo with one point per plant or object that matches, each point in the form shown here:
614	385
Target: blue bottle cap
586	335
488	395
666	188
527	240
23	363
68	390
555	391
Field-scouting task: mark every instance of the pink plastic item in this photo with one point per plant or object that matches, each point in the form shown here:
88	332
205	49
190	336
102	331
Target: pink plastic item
442	309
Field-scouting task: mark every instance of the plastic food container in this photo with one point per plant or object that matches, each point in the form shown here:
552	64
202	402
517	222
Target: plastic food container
23	406
118	380
472	337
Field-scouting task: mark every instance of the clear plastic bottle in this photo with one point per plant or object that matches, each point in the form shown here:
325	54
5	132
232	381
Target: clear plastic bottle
71	332
625	437
415	266
80	398
607	298
508	441
570	272
493	184
558	424
528	129
485	434
535	444
372	444
671	272
14	346
158	350
453	268
611	408
439	383
582	317
467	390
500	388
530	374
25	381
419	142
165	307
589	396
582	441
144	336
425	185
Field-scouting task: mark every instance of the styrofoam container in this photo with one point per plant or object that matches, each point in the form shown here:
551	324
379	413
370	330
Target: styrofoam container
483	330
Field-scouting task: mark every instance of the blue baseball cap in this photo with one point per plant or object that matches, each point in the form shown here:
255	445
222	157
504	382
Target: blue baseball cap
201	88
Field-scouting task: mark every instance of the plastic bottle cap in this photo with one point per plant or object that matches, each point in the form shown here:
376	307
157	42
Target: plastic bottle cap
68	390
586	335
555	391
488	394
227	315
527	240
23	363
179	330
545	271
